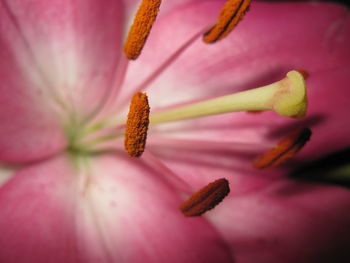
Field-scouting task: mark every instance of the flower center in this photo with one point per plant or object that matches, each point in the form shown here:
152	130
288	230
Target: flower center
286	97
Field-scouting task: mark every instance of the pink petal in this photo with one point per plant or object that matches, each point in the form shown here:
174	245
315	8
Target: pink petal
37	215
53	53
29	128
28	132
137	212
114	209
74	45
287	222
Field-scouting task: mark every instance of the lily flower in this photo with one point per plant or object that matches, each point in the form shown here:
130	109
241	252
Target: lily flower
70	192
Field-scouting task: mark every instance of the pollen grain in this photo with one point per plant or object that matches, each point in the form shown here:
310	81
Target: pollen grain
232	12
137	125
141	27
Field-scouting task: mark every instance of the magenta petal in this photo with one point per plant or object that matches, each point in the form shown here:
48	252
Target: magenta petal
114	209
287	222
328	113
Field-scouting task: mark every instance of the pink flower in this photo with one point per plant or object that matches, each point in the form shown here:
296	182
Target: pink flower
65	198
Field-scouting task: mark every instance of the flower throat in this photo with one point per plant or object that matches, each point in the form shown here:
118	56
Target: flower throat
286	97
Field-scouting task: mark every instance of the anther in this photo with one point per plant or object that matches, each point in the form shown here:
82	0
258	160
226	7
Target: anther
304	73
286	149
232	12
141	27
137	125
206	198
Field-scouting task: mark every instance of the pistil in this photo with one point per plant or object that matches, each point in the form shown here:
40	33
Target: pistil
286	97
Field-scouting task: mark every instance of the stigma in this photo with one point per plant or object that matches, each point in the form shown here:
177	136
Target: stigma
137	125
206	198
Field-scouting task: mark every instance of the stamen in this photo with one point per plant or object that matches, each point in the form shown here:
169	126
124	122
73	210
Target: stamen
206	198
286	149
304	73
286	97
232	12
141	27
137	125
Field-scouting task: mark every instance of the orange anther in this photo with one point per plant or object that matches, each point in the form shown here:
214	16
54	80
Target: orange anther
137	125
286	149
232	12
206	198
141	27
304	73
